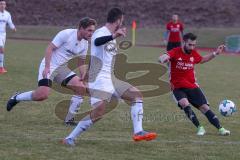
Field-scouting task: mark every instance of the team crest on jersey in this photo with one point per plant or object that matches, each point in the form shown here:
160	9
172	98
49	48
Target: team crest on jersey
178	25
180	59
110	48
191	59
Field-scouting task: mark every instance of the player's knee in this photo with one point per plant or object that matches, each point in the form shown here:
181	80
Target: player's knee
183	103
101	111
99	108
204	108
40	96
137	95
98	113
79	90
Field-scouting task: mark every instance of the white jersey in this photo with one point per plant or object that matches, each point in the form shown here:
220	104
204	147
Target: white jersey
5	19
105	53
68	47
102	82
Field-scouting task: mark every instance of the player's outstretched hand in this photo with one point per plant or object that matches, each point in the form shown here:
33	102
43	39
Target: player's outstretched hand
120	32
45	73
164	58
220	49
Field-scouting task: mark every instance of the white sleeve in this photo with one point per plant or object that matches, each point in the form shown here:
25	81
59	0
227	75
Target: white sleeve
10	23
98	34
60	38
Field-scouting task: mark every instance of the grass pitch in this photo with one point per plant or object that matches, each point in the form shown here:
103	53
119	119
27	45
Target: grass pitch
33	131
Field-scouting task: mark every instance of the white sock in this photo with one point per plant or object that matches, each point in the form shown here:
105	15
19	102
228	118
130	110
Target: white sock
76	102
82	126
137	116
26	96
1	59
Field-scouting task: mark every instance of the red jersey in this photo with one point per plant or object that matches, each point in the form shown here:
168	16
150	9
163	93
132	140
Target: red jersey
182	73
175	29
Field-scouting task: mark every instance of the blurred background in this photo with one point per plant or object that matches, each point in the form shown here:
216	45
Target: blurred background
198	13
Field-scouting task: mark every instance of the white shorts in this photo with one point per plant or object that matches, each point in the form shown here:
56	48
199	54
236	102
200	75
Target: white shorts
2	40
57	73
105	86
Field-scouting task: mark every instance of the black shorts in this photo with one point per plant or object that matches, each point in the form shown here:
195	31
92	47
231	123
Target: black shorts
172	45
48	82
195	96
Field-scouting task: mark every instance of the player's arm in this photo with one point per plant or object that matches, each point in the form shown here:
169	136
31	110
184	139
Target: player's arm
167	34
48	55
104	39
210	56
10	23
58	40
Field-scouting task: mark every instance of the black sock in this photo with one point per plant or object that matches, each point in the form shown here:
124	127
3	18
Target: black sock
212	118
191	115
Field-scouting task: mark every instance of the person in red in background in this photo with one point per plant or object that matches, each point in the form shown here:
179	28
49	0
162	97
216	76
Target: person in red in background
173	35
184	86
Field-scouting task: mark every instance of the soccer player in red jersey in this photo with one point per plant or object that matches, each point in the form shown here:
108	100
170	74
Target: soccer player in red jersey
184	87
173	35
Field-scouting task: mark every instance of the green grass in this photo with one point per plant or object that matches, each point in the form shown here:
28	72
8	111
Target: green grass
33	131
40	32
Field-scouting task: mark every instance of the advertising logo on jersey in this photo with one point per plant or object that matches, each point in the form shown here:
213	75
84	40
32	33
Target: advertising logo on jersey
111	48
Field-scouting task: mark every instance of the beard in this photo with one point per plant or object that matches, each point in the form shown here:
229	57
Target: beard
188	51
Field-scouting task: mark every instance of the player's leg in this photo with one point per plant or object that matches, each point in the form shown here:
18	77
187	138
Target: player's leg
74	83
169	46
182	100
101	91
199	100
2	43
84	124
40	94
134	97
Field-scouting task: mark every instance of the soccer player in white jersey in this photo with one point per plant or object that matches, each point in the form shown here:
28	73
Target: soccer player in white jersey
67	44
104	48
5	19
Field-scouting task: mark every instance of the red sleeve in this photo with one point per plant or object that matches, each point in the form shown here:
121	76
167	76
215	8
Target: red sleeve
171	53
197	58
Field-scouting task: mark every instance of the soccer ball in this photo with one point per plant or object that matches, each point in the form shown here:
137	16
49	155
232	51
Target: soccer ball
227	108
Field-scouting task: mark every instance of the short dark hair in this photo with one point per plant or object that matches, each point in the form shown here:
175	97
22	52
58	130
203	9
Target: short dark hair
190	36
114	14
86	21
